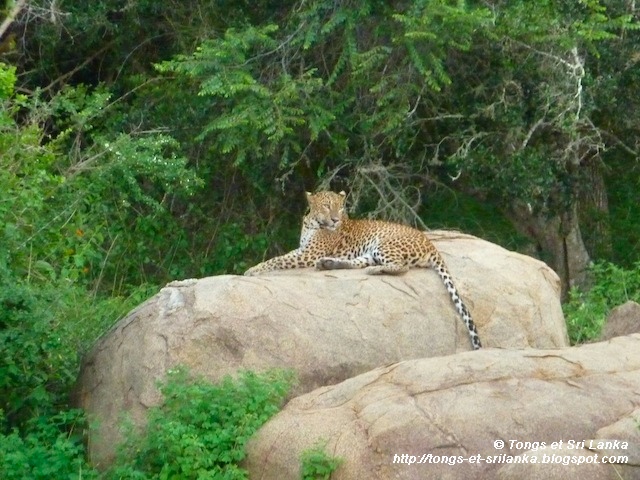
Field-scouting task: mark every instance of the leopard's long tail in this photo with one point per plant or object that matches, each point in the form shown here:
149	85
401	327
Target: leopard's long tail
437	262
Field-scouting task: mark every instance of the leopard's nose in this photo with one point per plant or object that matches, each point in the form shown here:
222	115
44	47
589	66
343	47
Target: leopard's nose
335	219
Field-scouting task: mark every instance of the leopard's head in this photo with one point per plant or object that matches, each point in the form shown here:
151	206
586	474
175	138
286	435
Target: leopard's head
326	209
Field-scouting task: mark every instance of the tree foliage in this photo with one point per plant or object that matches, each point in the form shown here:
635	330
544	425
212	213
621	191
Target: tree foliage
393	97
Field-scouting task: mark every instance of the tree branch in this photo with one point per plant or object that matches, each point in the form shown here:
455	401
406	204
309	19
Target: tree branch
6	23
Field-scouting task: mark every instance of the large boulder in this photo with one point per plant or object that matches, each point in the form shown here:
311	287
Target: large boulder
327	326
483	415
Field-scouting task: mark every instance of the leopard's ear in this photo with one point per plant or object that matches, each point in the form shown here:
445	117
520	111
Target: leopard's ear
308	194
342	193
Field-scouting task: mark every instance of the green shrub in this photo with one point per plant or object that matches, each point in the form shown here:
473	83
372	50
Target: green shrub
585	312
51	450
200	430
317	464
36	368
96	209
44	328
43	331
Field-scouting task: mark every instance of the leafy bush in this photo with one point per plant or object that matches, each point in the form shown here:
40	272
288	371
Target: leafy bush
96	209
50	450
585	312
36	368
200	430
317	464
43	332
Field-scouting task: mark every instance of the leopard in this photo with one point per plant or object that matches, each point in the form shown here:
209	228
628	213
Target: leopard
331	240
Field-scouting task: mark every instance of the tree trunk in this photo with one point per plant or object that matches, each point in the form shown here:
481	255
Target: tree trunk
594	209
560	242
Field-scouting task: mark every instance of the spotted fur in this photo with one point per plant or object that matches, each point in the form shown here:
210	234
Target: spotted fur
331	240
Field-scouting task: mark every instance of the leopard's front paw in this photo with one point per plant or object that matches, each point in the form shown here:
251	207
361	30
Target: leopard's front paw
328	264
252	272
375	270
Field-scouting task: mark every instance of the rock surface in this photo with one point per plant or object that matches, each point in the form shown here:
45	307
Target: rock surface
458	407
558	464
620	439
327	326
627	429
622	320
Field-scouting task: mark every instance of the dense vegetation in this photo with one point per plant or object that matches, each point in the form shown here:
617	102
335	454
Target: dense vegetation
200	430
146	141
